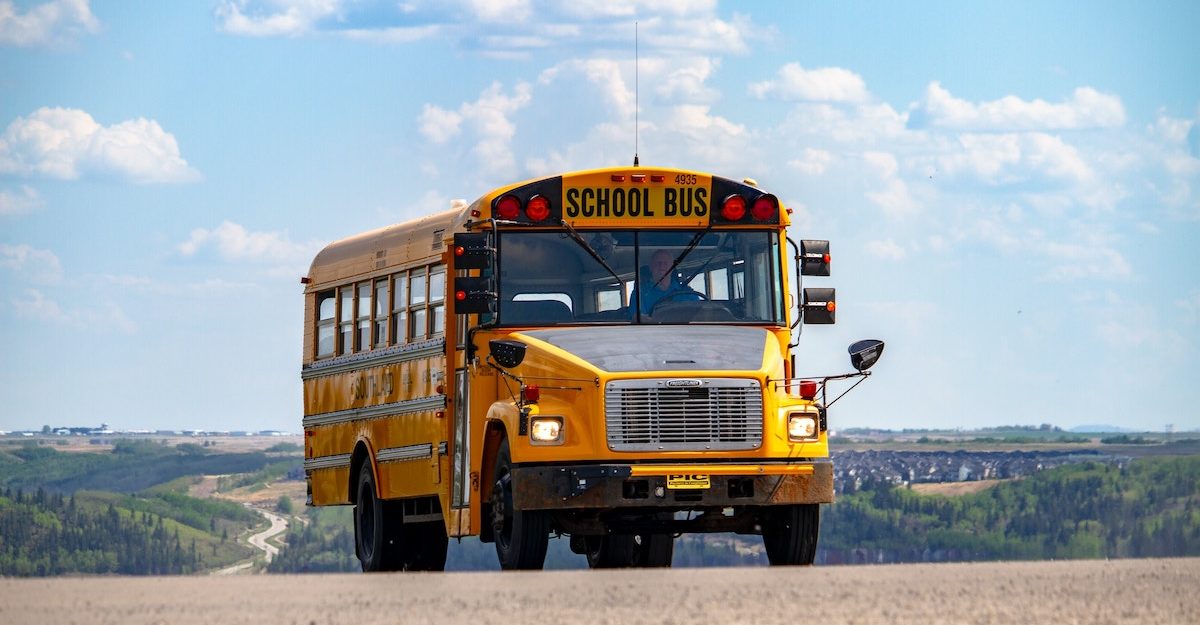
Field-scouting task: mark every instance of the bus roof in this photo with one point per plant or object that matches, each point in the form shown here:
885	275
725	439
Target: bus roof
411	242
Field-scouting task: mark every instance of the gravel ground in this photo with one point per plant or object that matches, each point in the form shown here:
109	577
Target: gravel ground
1117	591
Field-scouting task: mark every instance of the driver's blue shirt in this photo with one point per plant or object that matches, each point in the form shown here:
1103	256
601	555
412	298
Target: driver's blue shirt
649	296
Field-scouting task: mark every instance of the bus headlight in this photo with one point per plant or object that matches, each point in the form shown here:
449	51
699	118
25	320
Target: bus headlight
546	430
802	426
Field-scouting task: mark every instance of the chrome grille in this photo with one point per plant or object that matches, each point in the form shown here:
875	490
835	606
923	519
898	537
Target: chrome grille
683	414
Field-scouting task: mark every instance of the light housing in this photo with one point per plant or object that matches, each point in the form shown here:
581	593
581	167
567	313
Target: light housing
808	389
733	208
546	430
538	208
803	427
530	394
508	207
765	208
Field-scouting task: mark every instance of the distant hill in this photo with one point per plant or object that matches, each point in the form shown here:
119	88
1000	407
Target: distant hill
1100	429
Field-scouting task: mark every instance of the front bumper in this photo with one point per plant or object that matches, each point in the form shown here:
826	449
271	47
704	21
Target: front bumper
615	486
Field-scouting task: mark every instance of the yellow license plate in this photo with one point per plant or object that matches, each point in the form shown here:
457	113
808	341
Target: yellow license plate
688	480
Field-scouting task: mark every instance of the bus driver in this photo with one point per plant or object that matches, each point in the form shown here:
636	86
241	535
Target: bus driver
661	285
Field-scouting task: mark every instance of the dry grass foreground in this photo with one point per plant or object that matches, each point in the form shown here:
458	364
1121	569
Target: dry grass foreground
1094	591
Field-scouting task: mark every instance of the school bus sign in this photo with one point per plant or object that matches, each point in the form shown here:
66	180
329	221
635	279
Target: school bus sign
647	199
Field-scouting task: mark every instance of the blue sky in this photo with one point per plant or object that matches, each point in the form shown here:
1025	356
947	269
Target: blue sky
1011	189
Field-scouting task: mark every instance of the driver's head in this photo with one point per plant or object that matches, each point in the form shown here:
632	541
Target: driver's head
660	264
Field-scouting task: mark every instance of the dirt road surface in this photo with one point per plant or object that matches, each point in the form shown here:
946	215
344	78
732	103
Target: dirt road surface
1119	591
278	526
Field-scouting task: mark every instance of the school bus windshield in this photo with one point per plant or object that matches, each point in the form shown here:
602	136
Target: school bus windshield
639	277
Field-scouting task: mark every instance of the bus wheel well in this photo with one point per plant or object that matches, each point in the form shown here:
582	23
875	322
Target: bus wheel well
492	438
360	456
491	444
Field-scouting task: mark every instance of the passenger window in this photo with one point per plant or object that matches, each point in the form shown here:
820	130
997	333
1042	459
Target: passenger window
400	309
416	287
346	320
364	316
382	306
326	311
437	297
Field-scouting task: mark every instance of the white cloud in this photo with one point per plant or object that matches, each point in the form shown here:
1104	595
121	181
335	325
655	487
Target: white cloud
1085	261
686	81
144	284
826	84
891	193
607	75
274	17
592	9
1002	159
864	124
19	202
498	28
68	143
31	264
812	161
48	24
1190	306
696	34
233	243
396	35
507	11
439	125
489	120
886	249
1086	108
34	305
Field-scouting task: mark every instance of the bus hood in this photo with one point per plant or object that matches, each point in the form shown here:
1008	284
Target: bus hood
661	348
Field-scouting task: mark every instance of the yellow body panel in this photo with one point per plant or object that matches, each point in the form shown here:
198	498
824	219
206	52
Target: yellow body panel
353	407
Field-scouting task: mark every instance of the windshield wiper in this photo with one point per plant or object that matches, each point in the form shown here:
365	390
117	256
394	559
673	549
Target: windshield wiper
690	246
591	252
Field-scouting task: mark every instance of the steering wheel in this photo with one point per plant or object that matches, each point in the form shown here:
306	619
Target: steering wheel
674	294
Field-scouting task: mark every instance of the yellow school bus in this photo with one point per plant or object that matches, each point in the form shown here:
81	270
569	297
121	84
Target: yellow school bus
604	354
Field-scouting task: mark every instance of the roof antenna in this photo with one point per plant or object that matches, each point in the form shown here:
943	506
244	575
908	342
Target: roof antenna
636	85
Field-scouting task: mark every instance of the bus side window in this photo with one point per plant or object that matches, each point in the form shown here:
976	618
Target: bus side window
437	298
417	324
326	309
346	320
400	308
608	299
382	306
364	316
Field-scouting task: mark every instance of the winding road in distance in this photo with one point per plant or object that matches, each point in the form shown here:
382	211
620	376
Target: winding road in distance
1025	593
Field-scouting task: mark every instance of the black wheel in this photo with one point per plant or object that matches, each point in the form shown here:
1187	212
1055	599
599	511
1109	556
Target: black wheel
521	536
790	533
372	539
629	550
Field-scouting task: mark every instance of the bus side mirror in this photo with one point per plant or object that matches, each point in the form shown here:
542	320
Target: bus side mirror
820	305
814	258
864	353
471	251
506	352
473	296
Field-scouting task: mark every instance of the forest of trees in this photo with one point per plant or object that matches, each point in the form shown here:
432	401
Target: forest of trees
48	534
1148	508
139	524
133	465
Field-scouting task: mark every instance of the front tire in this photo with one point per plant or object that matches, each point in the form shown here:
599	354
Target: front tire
790	534
521	536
